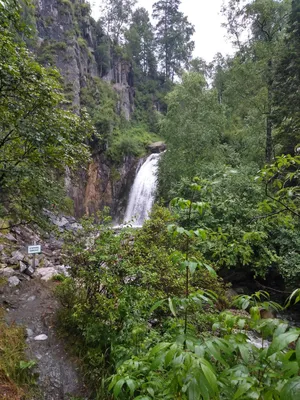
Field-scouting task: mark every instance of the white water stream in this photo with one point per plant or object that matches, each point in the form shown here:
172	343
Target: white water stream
142	193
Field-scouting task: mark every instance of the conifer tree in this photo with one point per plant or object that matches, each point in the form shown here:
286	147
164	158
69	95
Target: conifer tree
173	36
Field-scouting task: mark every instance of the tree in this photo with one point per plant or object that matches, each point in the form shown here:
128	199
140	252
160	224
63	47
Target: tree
267	20
173	36
38	138
140	43
116	16
192	128
286	85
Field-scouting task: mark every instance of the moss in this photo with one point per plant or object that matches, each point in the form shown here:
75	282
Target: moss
65	6
82	43
3	281
48	50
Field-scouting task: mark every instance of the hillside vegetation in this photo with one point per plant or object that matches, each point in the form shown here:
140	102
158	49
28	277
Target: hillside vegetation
146	310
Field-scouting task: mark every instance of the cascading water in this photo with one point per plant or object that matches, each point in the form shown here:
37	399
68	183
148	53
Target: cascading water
142	193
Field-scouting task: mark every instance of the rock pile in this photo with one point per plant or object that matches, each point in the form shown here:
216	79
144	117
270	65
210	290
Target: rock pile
16	264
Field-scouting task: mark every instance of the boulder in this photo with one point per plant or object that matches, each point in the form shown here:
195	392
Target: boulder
46	273
23	266
16	257
7	272
13	281
41	337
29	271
157	147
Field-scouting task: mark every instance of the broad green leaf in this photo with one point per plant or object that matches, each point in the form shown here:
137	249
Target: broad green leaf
171	306
118	387
291	390
282	341
211	378
242	389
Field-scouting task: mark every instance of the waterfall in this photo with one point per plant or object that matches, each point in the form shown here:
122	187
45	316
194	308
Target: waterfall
142	193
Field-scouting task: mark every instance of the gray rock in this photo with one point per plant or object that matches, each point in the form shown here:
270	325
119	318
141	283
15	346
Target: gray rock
29	271
17	255
10	237
13	281
23	266
7	271
230	294
46	273
41	337
29	332
1	247
157	147
31	298
61	222
47	263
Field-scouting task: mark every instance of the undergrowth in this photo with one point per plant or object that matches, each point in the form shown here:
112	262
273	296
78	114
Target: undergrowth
16	377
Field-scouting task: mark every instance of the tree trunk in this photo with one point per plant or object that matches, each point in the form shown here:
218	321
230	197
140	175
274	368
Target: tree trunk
269	127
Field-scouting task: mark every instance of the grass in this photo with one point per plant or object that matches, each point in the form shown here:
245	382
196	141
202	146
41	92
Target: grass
16	377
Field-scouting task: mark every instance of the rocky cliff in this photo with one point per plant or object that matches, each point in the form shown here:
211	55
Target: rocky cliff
68	38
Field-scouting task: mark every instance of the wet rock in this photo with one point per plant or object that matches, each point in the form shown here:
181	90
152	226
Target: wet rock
13	281
41	337
230	294
157	147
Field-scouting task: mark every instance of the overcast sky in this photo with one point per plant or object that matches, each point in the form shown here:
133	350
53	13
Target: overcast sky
205	15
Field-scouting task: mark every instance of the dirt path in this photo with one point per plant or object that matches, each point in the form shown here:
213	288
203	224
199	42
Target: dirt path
33	305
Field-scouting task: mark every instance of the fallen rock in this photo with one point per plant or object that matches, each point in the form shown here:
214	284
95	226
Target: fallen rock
7	272
41	337
29	271
29	332
13	281
23	266
46	273
10	237
17	255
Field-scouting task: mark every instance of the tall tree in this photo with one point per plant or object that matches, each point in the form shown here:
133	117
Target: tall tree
140	43
286	85
116	16
173	36
257	28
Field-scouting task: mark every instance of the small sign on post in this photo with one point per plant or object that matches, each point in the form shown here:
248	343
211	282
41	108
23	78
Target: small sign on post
34	249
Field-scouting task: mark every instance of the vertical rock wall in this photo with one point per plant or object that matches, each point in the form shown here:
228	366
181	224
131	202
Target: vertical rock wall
67	39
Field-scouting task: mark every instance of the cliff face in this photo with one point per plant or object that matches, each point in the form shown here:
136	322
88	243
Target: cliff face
68	39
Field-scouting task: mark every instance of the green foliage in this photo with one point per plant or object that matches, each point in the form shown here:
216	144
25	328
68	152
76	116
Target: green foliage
16	374
116	279
173	37
192	128
38	138
100	100
130	142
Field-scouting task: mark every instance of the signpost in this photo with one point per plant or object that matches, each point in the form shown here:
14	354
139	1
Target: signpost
34	249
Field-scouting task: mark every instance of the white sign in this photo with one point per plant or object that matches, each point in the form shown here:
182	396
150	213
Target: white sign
34	249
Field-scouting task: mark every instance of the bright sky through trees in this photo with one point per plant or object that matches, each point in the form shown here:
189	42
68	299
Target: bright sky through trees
205	15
